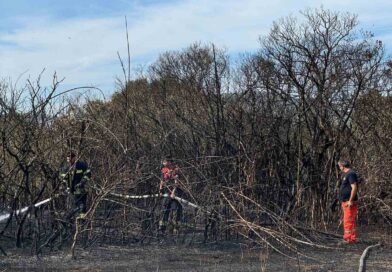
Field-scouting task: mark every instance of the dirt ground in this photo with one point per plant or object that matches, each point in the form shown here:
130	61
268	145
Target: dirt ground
203	257
225	256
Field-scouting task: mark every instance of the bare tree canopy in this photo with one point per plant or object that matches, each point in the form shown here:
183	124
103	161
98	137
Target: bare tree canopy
257	142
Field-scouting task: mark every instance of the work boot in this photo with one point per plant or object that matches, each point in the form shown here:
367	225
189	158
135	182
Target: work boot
344	243
161	236
161	229
82	216
176	228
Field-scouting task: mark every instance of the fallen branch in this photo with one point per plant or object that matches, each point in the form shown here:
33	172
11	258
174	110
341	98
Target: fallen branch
362	261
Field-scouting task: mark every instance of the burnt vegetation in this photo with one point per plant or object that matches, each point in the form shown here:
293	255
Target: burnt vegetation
257	142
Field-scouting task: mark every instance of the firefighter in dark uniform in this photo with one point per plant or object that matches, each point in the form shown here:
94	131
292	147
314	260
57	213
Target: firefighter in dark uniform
75	175
169	185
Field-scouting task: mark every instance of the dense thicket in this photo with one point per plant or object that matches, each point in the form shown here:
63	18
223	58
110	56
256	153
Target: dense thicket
261	136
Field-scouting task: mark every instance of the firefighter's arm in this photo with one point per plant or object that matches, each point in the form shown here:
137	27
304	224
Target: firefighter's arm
175	177
86	175
85	178
354	189
64	181
173	192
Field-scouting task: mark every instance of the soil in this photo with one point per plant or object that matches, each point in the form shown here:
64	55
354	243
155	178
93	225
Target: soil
203	257
169	255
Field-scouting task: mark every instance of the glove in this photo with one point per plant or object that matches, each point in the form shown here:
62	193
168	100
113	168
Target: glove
63	185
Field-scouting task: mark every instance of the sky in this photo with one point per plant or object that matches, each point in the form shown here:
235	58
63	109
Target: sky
80	39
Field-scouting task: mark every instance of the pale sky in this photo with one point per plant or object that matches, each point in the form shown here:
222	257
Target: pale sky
79	39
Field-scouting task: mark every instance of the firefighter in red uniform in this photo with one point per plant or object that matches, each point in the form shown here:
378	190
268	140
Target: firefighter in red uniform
169	185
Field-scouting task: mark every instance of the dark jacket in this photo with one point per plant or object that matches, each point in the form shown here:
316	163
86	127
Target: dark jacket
76	177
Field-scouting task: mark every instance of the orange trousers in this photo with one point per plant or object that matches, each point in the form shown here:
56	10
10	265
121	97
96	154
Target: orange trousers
349	221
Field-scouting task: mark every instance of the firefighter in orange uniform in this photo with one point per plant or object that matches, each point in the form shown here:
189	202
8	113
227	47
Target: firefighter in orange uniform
349	200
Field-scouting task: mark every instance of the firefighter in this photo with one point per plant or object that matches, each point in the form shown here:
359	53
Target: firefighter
349	200
75	174
169	185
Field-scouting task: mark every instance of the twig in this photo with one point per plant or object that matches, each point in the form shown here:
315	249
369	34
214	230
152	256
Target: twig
75	237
